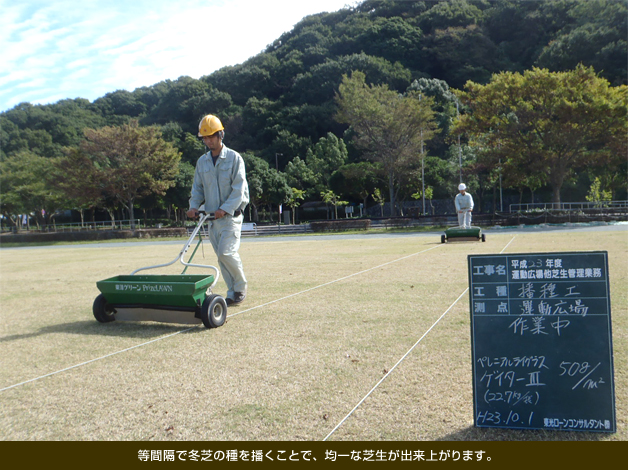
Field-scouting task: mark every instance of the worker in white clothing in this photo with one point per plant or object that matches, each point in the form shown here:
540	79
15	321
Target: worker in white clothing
220	184
464	206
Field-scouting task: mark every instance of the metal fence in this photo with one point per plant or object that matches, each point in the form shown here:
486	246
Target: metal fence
567	206
76	226
253	230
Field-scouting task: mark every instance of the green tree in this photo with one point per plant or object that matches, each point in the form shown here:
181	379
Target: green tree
285	146
281	101
46	129
121	103
546	124
278	192
454	13
457	54
25	179
379	199
389	128
177	196
301	176
444	107
320	83
135	160
393	38
356	181
267	186
252	78
327	156
191	147
293	202
186	101
329	197
257	176
597	194
595	35
429	195
81	181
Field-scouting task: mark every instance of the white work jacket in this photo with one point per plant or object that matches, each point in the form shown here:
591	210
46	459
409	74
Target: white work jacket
222	186
463	202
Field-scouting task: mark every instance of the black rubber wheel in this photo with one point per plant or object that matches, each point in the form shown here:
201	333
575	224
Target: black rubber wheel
103	312
483	237
442	238
214	311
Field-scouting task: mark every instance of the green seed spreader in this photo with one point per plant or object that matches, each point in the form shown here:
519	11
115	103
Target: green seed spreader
184	298
463	234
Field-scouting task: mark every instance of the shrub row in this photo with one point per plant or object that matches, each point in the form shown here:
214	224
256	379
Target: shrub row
340	225
39	237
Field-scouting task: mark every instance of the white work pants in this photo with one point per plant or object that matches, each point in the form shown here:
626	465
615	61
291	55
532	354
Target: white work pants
224	235
464	218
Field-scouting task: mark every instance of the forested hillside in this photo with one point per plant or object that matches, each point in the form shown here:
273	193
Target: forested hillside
280	107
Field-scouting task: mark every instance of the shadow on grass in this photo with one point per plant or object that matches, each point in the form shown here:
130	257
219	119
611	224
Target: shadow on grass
472	433
117	329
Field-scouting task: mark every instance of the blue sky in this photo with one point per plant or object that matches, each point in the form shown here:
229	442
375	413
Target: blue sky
52	50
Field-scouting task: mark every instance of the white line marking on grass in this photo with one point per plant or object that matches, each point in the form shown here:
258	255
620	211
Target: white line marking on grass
403	357
395	366
94	360
330	282
233	315
511	240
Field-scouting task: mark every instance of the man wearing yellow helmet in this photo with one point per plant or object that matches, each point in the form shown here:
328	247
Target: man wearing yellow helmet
220	184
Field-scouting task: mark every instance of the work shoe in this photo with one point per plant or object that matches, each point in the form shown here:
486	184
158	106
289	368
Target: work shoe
238	297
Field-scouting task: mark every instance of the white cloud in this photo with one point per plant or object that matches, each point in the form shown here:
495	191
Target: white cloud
71	48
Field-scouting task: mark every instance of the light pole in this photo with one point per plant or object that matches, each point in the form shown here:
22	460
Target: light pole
501	196
277	160
459	148
279	206
422	167
422	172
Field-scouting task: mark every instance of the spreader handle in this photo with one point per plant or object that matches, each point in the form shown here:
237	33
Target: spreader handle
204	217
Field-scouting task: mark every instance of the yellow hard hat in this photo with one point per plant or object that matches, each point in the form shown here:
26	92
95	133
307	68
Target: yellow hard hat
209	125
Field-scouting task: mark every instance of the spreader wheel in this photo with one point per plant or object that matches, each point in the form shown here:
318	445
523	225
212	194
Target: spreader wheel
103	312
442	238
214	311
483	237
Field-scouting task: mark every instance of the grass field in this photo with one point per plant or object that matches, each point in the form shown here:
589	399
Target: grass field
324	321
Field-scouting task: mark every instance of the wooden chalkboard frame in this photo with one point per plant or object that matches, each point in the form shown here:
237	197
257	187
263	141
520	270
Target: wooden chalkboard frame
541	340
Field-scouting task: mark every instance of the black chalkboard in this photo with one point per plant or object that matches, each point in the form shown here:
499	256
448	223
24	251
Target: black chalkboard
541	341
